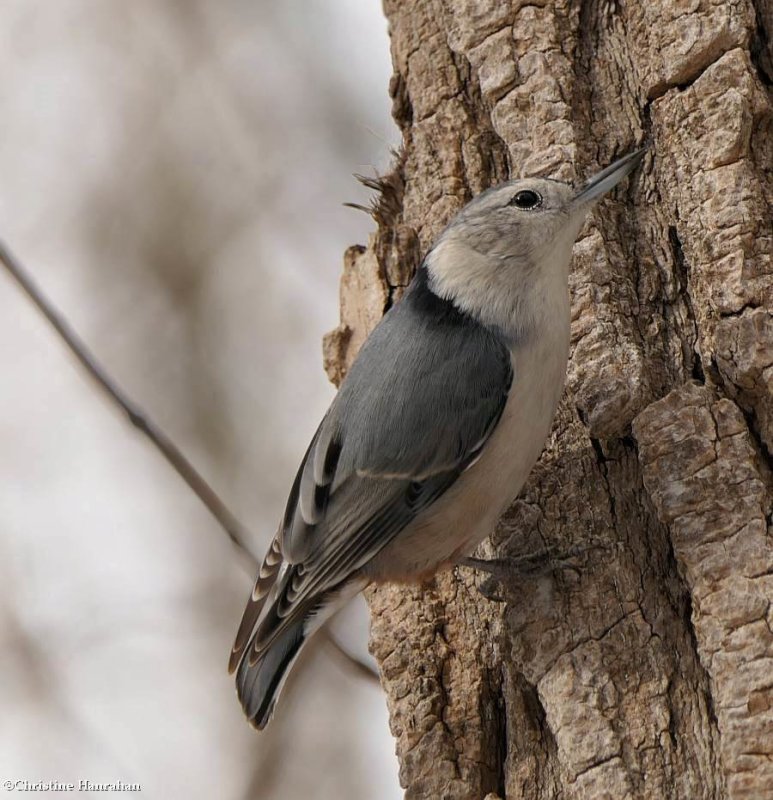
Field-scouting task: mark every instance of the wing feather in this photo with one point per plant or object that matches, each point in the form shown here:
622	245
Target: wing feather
265	581
416	409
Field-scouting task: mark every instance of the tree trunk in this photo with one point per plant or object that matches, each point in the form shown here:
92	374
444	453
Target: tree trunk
645	670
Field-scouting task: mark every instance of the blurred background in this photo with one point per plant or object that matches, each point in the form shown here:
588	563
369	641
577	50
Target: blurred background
173	175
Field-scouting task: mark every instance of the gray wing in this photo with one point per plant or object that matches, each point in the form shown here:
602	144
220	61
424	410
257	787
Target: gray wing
416	408
419	402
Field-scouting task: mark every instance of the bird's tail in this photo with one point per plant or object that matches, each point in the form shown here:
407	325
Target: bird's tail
262	671
258	685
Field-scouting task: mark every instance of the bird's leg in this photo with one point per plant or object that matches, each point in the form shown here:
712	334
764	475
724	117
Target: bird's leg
496	567
503	570
491	587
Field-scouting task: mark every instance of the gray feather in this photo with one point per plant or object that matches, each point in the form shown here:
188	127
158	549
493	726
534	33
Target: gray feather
420	396
403	411
258	685
419	403
261	676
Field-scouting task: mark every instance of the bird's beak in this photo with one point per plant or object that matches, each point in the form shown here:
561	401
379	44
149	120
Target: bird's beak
607	178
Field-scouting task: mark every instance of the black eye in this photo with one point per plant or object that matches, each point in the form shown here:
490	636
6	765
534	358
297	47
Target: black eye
526	199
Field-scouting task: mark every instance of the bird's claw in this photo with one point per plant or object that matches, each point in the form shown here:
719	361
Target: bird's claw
502	571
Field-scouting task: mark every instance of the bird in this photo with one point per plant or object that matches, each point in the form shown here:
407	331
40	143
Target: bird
435	428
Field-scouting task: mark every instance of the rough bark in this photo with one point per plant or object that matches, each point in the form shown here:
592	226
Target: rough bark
646	670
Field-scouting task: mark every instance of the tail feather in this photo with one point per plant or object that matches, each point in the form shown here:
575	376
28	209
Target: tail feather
261	672
258	685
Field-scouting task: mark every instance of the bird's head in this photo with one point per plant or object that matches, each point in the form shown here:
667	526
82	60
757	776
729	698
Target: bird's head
513	239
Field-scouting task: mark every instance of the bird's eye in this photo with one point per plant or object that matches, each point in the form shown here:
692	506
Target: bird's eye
527	198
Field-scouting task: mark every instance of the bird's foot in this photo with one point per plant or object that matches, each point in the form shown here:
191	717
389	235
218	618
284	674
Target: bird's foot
502	571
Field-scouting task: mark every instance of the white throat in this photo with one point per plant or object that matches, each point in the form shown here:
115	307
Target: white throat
517	296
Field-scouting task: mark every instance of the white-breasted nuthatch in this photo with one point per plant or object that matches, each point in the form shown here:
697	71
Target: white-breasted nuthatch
436	426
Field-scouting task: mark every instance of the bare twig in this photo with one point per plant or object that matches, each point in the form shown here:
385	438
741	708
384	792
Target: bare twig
346	659
234	529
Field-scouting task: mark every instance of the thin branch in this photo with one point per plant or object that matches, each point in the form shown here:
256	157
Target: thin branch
346	659
234	529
